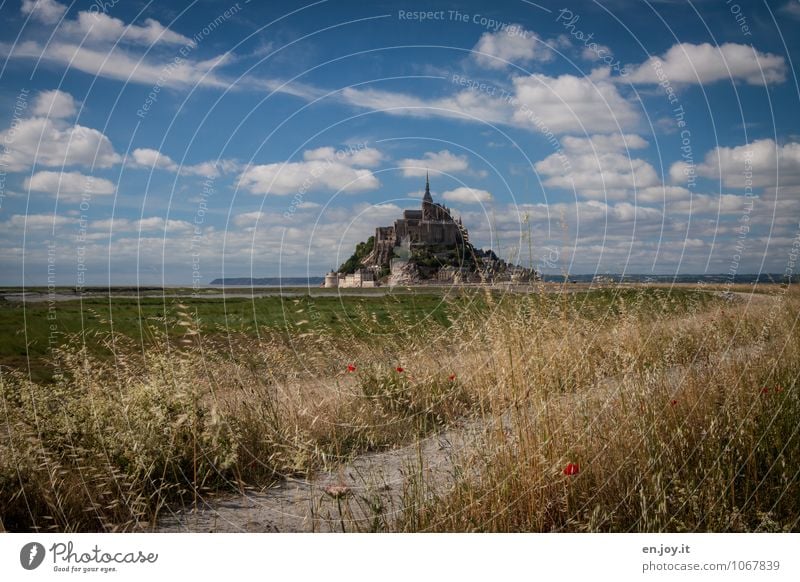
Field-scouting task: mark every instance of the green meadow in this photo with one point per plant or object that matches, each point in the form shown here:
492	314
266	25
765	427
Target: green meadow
30	330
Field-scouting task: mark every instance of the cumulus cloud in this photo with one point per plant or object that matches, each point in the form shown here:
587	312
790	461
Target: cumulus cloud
538	103
443	161
51	142
706	63
46	11
69	186
154	159
599	167
572	104
321	169
54	104
763	161
511	44
466	195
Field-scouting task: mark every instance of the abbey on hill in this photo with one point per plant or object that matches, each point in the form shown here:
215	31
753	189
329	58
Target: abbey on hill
425	245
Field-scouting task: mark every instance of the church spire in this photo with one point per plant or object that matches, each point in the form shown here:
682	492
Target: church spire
427	198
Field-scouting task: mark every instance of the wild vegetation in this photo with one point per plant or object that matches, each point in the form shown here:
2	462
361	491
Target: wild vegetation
610	410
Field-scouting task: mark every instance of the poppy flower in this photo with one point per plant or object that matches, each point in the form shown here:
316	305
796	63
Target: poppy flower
351	368
399	369
451	377
673	402
765	390
571	469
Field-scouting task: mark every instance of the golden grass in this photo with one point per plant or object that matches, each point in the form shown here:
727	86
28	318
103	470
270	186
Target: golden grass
660	407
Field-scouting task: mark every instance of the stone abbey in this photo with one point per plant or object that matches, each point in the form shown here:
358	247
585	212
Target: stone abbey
424	245
430	227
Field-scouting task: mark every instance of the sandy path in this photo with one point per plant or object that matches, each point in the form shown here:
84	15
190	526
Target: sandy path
371	489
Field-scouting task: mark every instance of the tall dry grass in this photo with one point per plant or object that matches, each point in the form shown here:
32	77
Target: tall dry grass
643	424
657	399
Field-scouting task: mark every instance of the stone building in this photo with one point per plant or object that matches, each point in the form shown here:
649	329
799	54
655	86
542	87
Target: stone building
430	226
361	278
426	245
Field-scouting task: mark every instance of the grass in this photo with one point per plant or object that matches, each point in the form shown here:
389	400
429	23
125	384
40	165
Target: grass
655	395
34	328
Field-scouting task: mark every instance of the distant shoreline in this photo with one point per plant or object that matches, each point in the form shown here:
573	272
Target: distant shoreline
316	282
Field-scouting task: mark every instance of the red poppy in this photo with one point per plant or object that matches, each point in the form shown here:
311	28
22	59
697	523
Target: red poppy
765	390
351	368
673	402
451	377
399	369
571	469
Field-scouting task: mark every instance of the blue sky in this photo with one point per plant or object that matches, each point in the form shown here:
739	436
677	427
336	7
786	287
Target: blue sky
148	144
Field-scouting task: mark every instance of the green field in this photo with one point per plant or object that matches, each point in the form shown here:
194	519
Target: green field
30	330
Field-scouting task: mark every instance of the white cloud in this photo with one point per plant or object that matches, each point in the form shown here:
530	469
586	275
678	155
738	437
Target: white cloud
680	172
596	52
601	144
537	102
248	219
708	204
117	64
443	161
318	171
211	169
464	105
99	27
49	142
362	157
512	44
37	221
572	104
308	205
46	11
69	186
706	63
150	159
54	104
466	195
666	195
157	223
153	159
599	167
768	162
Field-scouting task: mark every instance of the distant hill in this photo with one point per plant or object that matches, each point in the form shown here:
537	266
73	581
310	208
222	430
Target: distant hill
688	278
269	281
